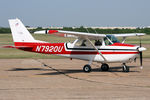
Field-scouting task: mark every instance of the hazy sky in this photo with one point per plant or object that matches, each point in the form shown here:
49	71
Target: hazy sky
76	12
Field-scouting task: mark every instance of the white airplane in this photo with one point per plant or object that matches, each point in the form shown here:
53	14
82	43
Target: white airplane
92	47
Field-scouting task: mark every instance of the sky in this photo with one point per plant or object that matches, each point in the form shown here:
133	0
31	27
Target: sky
90	13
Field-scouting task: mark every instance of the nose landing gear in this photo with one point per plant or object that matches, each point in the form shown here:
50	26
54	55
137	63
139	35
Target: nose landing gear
125	68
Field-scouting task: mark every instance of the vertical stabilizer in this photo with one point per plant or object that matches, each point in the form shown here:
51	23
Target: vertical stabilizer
19	31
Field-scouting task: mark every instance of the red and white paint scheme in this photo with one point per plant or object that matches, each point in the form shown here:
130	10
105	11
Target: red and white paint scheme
87	46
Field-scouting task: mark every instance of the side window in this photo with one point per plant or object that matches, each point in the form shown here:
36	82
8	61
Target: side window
81	43
78	43
98	42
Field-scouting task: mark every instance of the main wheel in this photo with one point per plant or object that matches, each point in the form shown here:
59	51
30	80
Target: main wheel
87	68
105	67
125	68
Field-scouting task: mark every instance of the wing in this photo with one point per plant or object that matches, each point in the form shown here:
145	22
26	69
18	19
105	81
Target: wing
77	34
129	34
90	35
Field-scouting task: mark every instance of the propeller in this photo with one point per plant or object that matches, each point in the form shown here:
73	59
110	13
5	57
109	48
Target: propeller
141	60
141	55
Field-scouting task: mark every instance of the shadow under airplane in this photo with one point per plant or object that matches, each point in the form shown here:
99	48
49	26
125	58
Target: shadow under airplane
68	71
28	69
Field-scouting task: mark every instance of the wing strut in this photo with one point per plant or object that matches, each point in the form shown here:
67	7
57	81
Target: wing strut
96	49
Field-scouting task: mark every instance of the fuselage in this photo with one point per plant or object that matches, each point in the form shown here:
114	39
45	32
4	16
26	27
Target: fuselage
117	52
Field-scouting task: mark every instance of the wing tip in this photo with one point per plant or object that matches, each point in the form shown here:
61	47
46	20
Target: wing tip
52	31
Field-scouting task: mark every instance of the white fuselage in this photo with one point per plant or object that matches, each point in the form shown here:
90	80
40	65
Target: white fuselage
111	53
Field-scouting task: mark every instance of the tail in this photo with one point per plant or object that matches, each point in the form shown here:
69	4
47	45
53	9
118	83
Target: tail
19	31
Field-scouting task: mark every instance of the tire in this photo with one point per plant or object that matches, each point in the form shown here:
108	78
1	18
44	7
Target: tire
125	68
105	67
87	68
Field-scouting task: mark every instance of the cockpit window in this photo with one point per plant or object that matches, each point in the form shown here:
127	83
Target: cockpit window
110	39
85	43
82	43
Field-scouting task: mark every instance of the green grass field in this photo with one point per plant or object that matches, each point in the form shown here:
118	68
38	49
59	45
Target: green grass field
10	53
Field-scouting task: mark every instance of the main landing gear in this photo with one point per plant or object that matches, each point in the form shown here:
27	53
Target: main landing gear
87	68
104	67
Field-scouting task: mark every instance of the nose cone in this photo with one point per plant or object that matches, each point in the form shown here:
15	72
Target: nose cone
141	49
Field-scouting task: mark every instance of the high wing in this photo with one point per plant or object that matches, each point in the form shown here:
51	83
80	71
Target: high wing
129	34
90	35
77	34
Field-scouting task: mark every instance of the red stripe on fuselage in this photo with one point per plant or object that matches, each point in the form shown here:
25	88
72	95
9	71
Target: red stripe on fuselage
59	48
122	44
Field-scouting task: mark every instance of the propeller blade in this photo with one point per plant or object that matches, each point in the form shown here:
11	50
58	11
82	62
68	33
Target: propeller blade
141	60
141	56
140	42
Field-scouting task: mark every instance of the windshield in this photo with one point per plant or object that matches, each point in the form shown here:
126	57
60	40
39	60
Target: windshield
112	38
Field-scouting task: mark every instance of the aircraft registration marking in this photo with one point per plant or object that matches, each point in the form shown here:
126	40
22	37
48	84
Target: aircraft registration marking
49	48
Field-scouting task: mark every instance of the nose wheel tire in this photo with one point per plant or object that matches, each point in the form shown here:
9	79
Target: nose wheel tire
105	67
87	68
125	68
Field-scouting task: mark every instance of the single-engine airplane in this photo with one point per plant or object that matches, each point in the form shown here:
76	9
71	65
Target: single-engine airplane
92	47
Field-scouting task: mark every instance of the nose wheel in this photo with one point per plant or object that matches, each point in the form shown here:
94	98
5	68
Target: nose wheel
87	68
125	68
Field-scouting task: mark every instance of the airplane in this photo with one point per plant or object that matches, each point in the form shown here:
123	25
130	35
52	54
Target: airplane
101	48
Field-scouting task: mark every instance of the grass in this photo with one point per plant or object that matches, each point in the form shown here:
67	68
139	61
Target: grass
9	53
135	40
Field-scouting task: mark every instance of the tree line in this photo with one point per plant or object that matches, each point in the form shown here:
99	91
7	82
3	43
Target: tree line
5	30
90	30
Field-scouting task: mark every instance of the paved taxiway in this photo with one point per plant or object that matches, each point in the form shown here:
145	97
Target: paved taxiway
27	79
